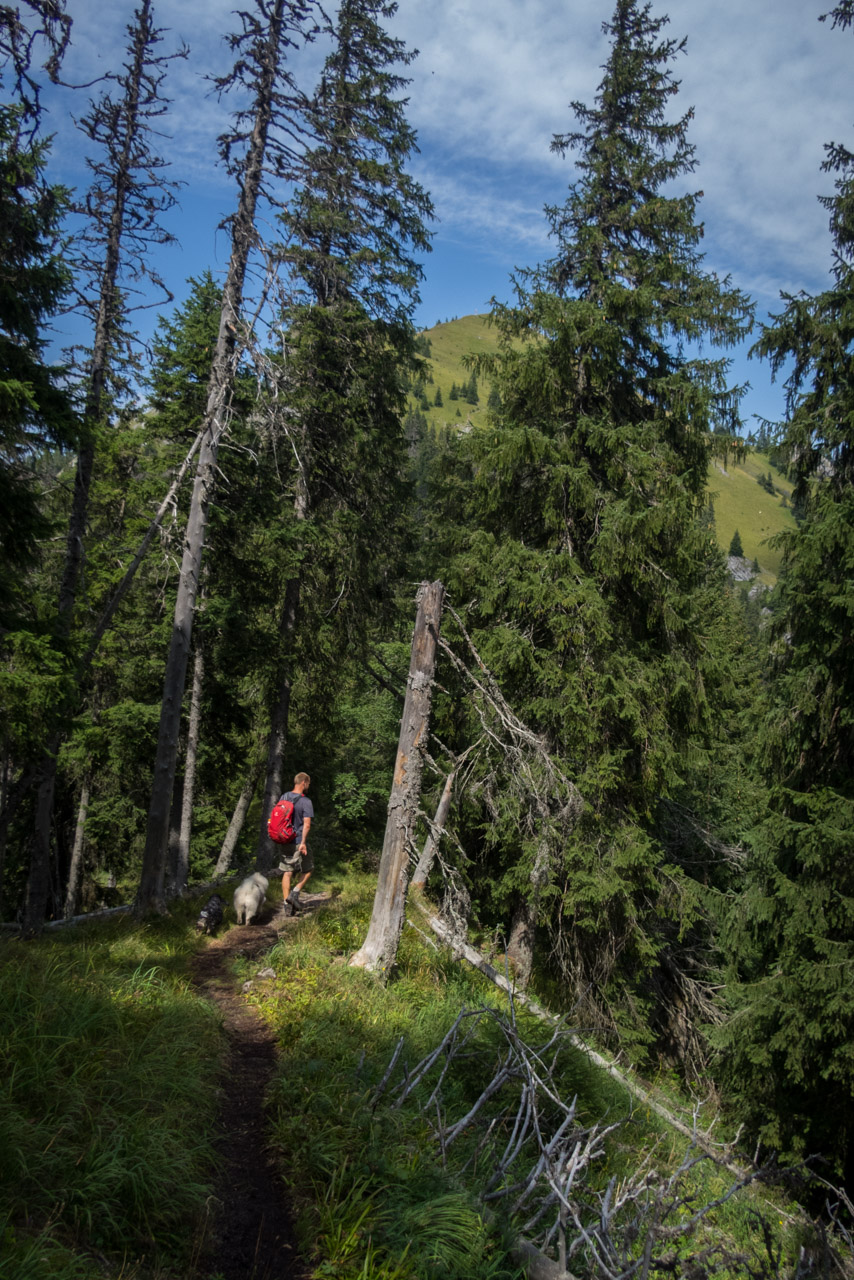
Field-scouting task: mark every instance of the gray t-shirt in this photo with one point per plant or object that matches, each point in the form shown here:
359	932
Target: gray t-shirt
303	808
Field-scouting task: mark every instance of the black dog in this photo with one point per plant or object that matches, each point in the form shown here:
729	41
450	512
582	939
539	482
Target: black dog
210	916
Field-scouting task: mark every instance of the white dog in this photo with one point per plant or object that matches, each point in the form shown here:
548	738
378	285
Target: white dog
249	896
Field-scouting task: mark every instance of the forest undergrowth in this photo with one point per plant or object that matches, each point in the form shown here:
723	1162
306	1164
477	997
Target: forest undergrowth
109	1102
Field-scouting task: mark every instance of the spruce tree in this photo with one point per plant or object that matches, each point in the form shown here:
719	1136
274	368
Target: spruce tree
358	218
789	1046
355	227
599	602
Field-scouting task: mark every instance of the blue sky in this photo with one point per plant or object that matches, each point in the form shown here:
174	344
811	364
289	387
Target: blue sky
769	83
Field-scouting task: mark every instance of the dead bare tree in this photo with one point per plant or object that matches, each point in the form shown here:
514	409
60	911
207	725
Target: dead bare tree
49	26
235	826
428	853
188	790
76	865
526	779
379	950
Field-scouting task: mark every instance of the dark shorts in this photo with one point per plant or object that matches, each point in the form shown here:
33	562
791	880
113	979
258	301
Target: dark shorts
291	860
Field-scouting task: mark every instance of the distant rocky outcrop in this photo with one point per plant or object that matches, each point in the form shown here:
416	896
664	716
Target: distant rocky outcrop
740	568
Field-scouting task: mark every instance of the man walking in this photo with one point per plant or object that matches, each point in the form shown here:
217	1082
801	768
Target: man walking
296	861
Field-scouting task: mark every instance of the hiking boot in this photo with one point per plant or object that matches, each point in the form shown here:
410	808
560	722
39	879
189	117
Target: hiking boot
293	901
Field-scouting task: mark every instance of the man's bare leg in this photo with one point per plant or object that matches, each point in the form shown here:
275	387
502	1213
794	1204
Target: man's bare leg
294	897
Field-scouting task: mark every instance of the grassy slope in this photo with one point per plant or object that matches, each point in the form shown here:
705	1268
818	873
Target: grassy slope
106	1045
739	501
450	342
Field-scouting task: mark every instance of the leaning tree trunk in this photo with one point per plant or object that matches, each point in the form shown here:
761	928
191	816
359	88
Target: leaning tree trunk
428	853
150	892
130	159
235	827
379	950
182	868
39	874
76	864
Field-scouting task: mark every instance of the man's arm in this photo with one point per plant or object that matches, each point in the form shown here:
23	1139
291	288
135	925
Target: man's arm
306	826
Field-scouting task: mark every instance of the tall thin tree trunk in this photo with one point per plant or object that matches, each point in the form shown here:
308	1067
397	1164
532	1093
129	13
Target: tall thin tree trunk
150	893
278	739
170	873
379	949
428	853
183	865
38	880
76	865
238	817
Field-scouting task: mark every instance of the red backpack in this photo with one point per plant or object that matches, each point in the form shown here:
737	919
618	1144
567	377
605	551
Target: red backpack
280	824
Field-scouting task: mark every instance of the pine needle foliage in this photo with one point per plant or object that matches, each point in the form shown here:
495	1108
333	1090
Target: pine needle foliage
357	217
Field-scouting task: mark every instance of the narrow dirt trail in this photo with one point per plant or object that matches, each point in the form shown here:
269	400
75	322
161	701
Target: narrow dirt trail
251	1234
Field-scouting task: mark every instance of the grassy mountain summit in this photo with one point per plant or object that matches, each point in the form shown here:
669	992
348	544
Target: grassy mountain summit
748	493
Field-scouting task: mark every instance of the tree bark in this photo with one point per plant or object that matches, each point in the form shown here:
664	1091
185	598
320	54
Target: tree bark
150	893
171	869
379	950
428	853
76	864
183	863
236	825
279	724
38	880
520	948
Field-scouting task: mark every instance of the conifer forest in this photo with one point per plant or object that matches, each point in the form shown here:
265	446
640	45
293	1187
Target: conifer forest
629	766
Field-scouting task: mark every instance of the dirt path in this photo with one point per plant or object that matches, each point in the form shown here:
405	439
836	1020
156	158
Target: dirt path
252	1235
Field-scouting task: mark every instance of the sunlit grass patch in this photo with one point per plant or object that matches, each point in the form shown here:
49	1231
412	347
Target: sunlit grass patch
337	1121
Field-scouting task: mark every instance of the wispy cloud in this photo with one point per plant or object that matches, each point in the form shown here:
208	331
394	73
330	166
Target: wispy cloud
769	85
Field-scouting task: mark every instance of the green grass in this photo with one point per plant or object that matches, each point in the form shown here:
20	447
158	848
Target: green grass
741	503
107	1096
450	343
396	1203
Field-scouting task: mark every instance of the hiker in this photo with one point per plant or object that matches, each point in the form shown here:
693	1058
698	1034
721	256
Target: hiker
296	860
